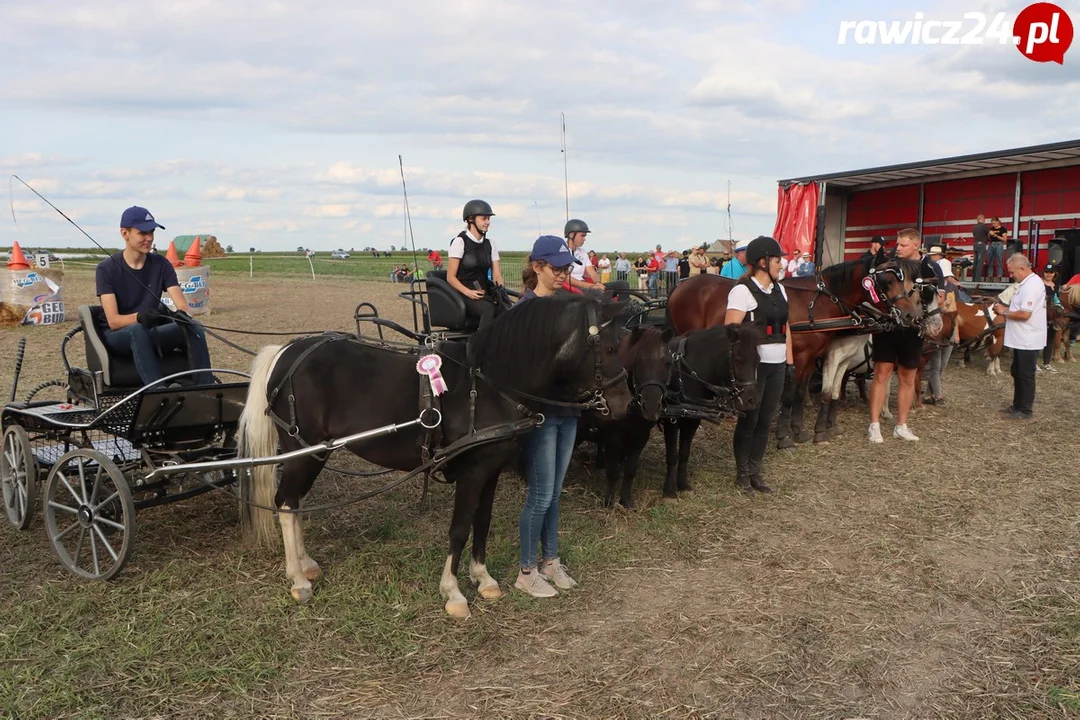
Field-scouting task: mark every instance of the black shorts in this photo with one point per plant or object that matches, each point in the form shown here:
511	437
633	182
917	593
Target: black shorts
901	347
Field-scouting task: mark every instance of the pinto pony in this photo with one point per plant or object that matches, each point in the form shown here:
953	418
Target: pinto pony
334	386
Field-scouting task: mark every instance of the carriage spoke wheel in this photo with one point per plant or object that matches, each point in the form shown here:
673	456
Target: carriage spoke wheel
18	474
89	514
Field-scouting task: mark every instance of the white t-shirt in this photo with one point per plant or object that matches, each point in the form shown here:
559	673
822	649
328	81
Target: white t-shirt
457	247
1028	334
578	271
605	264
740	298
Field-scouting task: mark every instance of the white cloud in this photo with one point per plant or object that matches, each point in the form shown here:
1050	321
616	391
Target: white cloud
305	112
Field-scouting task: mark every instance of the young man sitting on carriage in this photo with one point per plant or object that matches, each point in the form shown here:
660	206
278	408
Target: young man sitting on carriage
137	324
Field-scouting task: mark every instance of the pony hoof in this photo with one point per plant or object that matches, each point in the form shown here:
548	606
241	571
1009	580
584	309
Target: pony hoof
669	500
313	573
785	443
821	438
491	592
301	594
688	490
457	608
833	433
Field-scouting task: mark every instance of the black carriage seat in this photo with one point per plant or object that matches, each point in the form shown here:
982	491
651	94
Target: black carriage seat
118	371
446	306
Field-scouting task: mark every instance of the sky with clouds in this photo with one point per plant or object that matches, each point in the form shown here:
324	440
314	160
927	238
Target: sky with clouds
278	124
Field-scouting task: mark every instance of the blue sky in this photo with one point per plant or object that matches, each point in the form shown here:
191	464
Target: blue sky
279	124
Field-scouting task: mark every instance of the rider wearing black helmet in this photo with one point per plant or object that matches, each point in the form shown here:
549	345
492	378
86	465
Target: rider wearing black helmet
472	256
760	298
583	276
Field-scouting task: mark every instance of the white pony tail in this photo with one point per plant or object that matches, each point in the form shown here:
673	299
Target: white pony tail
257	437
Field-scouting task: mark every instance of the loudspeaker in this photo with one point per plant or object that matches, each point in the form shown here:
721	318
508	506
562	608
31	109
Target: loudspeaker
1069	242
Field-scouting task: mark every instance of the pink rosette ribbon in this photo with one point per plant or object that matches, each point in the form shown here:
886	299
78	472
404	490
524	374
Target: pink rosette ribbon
429	365
868	283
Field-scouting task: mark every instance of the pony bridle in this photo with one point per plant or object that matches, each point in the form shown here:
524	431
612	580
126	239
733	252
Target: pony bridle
891	301
593	399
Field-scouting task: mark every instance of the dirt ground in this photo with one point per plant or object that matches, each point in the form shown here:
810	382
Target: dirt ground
908	580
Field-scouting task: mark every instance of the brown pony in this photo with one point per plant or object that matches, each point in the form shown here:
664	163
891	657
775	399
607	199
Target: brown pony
980	327
817	307
1070	303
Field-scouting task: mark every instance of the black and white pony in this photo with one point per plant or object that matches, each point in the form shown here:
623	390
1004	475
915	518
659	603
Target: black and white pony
329	387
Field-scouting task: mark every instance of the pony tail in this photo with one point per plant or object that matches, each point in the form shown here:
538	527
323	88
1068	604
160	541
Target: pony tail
256	437
528	275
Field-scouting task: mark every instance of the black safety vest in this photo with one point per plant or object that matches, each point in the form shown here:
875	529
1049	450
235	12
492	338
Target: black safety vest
771	311
475	262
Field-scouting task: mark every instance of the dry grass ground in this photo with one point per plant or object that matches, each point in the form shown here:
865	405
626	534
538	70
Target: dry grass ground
937	579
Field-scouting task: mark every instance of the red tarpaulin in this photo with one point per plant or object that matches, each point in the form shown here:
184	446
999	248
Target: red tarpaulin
796	217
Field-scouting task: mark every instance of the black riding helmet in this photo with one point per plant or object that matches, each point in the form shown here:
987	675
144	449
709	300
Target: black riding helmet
574	225
762	247
474	208
1051	267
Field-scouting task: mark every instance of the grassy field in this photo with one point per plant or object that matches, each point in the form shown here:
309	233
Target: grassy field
912	580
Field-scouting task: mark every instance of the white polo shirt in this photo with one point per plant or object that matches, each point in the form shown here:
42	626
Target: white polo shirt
1027	334
578	271
740	298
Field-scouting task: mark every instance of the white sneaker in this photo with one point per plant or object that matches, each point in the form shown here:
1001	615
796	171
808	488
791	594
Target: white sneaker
1049	368
535	584
556	572
875	433
904	433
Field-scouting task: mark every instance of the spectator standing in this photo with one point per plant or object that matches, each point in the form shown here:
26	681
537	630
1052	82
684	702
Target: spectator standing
1025	334
995	252
622	268
699	262
604	266
735	268
980	234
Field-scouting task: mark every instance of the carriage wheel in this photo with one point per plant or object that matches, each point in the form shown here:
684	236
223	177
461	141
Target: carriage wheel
19	475
89	514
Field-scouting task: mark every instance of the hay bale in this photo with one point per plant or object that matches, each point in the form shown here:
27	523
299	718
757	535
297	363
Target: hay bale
211	248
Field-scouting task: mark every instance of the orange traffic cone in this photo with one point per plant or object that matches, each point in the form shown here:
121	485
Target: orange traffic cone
193	257
16	260
171	255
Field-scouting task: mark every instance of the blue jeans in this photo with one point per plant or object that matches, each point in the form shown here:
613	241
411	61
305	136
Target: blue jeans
547	456
995	266
140	343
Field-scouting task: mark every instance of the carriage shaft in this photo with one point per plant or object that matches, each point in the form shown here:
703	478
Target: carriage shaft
240	463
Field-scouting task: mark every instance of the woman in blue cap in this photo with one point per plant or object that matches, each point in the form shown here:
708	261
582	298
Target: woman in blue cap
547	448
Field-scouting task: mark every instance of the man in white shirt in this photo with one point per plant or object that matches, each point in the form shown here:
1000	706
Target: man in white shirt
1025	334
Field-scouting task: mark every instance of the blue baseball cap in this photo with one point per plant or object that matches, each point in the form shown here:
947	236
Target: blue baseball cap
553	250
140	219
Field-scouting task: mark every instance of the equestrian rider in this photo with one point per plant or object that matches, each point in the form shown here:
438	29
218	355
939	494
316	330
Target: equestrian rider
760	298
472	256
547	449
583	275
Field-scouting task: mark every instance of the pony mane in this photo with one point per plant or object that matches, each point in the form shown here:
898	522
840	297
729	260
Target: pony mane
841	274
512	347
910	268
1074	295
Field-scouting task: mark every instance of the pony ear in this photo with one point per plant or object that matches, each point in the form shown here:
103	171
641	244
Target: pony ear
635	334
733	334
667	335
612	309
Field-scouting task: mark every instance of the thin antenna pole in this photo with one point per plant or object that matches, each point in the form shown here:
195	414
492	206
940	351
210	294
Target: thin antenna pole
730	224
566	177
408	215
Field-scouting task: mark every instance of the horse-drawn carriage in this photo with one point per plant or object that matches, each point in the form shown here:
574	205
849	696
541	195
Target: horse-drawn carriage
96	455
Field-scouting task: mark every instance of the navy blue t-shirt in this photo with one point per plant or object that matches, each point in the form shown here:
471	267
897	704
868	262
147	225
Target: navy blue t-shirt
116	277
